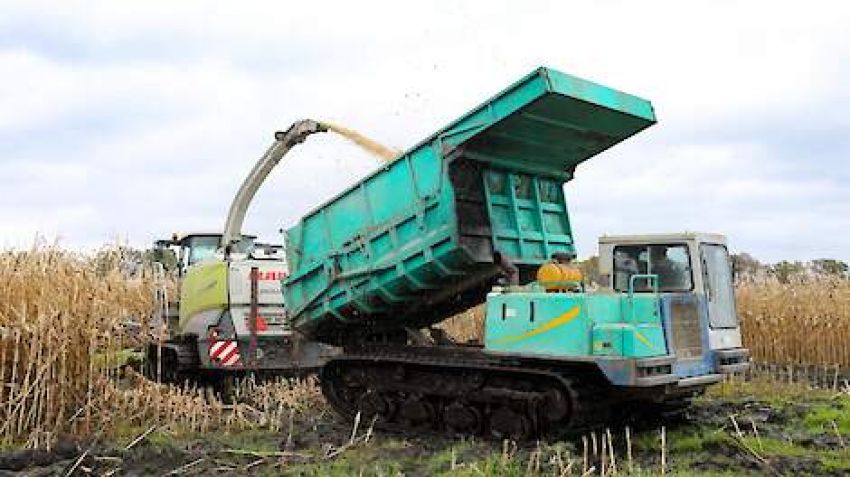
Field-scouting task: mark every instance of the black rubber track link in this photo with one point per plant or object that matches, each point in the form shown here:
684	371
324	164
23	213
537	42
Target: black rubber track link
462	390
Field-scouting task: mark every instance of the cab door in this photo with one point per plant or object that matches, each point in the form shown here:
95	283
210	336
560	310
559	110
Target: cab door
723	329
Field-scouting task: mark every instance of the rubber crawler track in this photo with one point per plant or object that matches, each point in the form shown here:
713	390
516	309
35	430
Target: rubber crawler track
462	390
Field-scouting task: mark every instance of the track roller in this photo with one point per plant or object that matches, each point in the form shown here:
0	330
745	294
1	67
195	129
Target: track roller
506	423
417	413
463	418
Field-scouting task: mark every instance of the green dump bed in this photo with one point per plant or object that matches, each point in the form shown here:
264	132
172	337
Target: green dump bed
415	241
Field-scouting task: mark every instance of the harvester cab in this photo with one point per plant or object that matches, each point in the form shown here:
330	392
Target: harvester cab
193	248
230	317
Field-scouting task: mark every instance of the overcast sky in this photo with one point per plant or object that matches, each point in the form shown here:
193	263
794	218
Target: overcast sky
133	121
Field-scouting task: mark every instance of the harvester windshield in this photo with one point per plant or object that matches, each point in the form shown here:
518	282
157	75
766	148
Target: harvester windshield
197	248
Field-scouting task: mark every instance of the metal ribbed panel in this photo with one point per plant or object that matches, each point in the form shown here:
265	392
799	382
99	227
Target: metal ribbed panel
686	330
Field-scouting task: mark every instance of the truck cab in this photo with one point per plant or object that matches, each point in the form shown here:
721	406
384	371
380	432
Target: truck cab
692	274
663	316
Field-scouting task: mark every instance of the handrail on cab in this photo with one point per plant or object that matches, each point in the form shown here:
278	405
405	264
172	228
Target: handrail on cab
650	278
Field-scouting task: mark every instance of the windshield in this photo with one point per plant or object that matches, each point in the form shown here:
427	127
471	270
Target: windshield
202	248
671	263
719	286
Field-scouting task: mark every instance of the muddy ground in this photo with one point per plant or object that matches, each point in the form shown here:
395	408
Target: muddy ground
756	428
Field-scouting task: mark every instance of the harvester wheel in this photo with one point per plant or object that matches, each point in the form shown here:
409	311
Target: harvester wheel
225	387
163	363
151	368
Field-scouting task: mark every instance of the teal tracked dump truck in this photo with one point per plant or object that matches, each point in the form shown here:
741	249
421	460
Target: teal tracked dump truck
468	216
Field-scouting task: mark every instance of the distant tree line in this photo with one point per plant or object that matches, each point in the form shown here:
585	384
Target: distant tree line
746	266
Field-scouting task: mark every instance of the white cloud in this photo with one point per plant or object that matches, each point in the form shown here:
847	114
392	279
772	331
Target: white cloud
148	115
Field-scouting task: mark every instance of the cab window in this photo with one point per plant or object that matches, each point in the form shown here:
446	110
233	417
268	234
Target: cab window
671	263
202	248
719	286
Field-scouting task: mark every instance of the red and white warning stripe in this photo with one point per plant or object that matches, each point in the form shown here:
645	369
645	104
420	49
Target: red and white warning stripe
225	352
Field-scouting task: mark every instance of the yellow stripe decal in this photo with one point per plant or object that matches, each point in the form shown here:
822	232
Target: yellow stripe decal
559	320
643	339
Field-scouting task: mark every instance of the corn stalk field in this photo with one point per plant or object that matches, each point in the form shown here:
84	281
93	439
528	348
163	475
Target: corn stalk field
804	322
66	323
68	319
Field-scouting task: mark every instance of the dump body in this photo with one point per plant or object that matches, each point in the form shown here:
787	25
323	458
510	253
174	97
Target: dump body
416	240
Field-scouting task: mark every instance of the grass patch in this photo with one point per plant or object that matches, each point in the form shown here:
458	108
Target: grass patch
767	390
161	439
821	419
838	460
355	461
775	447
690	441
